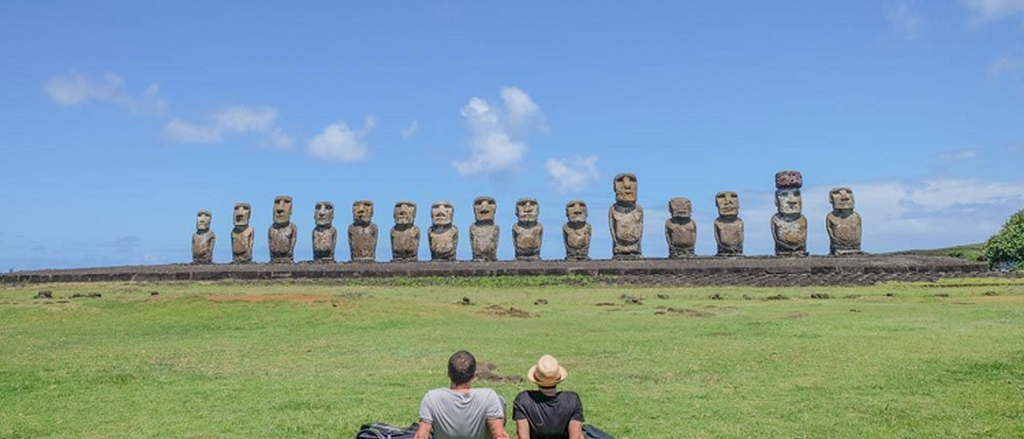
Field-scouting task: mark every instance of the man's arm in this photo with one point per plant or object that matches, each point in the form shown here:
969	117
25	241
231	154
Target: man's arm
423	432
575	429
497	427
523	429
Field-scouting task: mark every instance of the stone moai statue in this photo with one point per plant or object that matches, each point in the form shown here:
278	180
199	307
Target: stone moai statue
789	225
680	229
728	225
405	236
204	239
443	236
527	233
283	233
843	224
484	233
576	232
242	235
325	235
626	219
362	234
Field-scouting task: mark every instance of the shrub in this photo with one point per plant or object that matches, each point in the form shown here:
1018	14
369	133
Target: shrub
1006	248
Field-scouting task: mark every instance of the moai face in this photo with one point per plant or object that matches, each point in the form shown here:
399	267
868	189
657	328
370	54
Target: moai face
527	210
203	220
405	213
362	212
576	211
441	213
484	208
789	201
282	210
324	214
841	198
242	213
680	208
625	188
728	203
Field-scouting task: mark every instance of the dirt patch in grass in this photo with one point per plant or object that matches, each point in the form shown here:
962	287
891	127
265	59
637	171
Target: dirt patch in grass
511	311
260	298
685	312
796	315
489	372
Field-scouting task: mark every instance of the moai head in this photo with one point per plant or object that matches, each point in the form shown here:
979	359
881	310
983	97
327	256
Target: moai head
242	213
441	213
484	208
527	210
324	214
576	211
625	188
282	210
203	220
728	203
841	198
788	200
680	208
362	212
405	213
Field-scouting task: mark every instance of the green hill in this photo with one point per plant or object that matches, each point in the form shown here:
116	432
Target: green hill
970	252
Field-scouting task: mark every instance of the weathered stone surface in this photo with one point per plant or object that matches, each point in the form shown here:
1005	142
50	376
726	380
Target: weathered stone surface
325	235
362	234
204	240
577	231
242	234
843	224
443	236
728	225
484	233
680	229
789	225
626	219
405	236
282	235
527	233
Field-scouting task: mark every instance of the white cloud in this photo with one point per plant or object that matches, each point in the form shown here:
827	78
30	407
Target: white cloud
958	155
229	121
498	134
338	142
988	10
573	174
906	21
77	89
1005	66
411	131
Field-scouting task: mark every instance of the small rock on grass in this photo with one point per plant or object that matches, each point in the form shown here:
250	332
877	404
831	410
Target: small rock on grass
991	293
663	296
45	294
820	296
541	302
716	296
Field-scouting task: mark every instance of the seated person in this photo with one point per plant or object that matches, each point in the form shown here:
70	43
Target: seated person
546	413
459	411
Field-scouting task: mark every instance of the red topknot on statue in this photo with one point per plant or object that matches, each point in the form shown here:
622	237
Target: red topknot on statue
789	180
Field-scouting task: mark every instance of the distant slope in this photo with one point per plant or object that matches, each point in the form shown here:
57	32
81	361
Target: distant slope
970	252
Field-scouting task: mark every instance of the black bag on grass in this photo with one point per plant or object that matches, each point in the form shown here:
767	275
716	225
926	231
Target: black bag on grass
380	430
592	432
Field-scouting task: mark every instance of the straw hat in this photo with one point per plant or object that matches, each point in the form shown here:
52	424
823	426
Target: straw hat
547	372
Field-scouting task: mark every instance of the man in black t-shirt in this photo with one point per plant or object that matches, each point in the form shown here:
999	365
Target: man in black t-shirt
547	413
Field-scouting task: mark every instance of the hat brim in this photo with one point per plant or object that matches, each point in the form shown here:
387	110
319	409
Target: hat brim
562	375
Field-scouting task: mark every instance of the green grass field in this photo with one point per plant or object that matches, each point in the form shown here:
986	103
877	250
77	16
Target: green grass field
293	360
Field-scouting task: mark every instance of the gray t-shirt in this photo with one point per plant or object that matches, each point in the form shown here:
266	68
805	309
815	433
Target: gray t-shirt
457	415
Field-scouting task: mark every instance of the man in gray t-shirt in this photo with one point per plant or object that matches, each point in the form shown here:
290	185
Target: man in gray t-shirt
461	412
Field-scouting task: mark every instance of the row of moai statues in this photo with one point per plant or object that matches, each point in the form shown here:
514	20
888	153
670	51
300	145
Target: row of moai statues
625	222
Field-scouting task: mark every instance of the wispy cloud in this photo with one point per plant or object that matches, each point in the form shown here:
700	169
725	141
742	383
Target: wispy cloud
411	131
958	155
1006	66
498	134
340	143
572	174
230	121
990	10
79	89
906	20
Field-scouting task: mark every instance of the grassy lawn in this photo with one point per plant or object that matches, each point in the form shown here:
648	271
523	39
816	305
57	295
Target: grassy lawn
294	360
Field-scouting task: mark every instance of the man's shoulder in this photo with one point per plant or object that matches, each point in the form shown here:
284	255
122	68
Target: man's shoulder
484	392
569	395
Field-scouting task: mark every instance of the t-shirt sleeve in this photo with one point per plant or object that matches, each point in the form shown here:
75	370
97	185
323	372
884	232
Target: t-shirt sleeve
425	415
496	409
518	411
577	413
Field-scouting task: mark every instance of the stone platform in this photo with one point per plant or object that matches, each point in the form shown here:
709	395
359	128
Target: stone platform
754	271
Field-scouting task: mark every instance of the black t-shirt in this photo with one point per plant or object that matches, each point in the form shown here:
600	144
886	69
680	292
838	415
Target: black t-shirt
549	416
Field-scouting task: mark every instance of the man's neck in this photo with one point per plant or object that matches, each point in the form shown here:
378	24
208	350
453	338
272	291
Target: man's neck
549	391
461	388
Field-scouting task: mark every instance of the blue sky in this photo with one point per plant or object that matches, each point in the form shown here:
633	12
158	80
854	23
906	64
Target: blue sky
121	119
